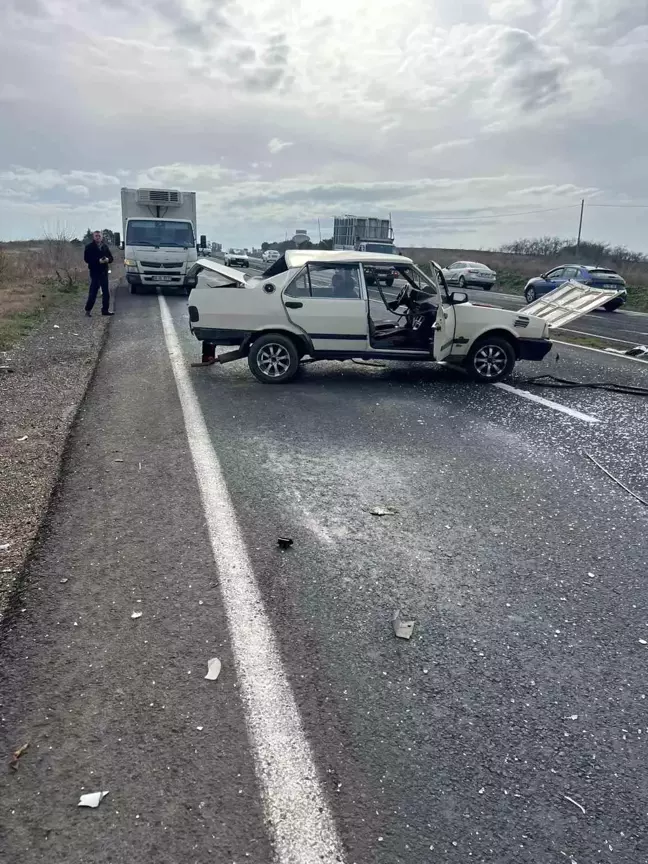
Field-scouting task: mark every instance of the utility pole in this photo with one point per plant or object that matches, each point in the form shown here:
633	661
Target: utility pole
319	228
580	226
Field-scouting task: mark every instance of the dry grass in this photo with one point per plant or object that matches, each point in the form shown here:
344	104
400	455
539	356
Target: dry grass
33	277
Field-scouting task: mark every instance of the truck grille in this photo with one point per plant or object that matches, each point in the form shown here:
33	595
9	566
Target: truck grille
168	265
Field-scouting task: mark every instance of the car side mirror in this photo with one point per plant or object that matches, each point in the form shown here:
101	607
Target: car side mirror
458	297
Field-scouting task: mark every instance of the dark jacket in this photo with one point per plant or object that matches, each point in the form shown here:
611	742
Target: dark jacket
92	255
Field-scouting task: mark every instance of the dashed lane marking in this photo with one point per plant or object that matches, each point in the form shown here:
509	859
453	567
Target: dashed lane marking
555	406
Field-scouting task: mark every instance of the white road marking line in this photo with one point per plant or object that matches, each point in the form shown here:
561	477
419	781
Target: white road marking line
598	351
587	418
302	824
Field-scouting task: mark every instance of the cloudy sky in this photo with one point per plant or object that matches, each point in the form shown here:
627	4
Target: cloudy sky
459	117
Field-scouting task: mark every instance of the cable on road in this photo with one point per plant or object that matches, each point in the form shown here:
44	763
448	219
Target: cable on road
568	384
616	480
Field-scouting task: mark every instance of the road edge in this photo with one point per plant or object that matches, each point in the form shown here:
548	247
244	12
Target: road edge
10	596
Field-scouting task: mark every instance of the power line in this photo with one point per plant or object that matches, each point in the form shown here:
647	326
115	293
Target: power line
448	213
617	205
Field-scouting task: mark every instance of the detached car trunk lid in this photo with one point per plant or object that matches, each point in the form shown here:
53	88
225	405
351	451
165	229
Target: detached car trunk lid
570	301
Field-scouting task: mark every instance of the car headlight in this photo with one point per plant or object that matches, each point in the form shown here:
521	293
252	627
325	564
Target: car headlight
129	262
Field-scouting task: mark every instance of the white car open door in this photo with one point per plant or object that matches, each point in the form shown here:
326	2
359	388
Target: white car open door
569	301
444	323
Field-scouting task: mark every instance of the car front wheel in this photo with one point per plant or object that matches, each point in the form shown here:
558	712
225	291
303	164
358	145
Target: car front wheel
273	359
462	283
491	359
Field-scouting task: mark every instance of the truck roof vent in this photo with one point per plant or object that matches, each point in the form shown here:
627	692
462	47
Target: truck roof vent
159	197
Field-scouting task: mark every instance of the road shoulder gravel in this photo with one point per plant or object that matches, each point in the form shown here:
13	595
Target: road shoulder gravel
42	385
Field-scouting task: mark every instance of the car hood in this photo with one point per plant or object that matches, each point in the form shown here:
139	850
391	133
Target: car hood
231	274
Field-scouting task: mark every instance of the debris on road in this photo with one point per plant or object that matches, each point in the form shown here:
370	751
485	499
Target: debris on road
4	547
382	511
63	581
24	438
136	615
7	369
15	756
643	642
616	480
402	629
285	542
92	799
213	669
637	351
119	460
571	717
580	806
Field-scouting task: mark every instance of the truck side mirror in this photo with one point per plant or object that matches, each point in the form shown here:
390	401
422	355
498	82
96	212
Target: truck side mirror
203	241
117	239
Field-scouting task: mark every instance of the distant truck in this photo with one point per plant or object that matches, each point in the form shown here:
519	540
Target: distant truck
160	245
367	234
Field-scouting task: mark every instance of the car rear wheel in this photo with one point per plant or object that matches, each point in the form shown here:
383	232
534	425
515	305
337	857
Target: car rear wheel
490	360
462	283
530	295
389	282
273	359
612	306
487	287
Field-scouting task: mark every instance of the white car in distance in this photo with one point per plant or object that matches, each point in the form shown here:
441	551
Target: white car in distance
470	274
270	256
236	256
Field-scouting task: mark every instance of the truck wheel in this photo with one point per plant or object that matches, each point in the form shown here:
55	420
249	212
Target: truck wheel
369	280
389	282
133	289
273	359
491	359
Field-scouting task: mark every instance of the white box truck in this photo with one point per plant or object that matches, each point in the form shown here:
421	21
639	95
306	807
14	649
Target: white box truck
160	244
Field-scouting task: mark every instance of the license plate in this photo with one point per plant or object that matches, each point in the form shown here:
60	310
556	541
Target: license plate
162	278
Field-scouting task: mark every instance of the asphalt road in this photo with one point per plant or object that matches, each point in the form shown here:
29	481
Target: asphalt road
511	728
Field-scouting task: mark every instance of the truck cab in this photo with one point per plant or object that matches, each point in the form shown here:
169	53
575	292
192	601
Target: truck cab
160	245
377	274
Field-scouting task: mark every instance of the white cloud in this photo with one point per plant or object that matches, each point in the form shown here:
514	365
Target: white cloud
276	145
441	113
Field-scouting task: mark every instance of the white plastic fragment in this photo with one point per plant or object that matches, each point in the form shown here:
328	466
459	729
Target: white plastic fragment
571	717
4	547
580	806
136	615
643	642
213	669
402	629
56	327
381	511
92	799
24	438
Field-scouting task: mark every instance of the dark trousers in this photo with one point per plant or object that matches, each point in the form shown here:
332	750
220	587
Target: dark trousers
97	281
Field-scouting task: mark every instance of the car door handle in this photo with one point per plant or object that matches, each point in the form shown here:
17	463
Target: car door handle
293	304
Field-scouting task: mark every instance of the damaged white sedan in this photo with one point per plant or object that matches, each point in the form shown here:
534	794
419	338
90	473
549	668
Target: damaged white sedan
316	305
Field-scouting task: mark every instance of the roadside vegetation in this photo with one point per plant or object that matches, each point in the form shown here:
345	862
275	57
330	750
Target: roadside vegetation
515	263
35	277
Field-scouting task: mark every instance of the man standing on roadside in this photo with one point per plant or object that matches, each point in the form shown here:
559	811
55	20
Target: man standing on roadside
97	256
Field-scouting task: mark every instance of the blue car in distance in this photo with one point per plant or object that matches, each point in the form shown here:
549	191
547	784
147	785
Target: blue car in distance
597	277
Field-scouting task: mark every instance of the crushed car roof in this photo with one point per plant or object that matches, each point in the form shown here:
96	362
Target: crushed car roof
299	257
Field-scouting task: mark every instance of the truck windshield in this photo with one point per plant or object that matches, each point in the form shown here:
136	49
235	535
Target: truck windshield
159	232
380	247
